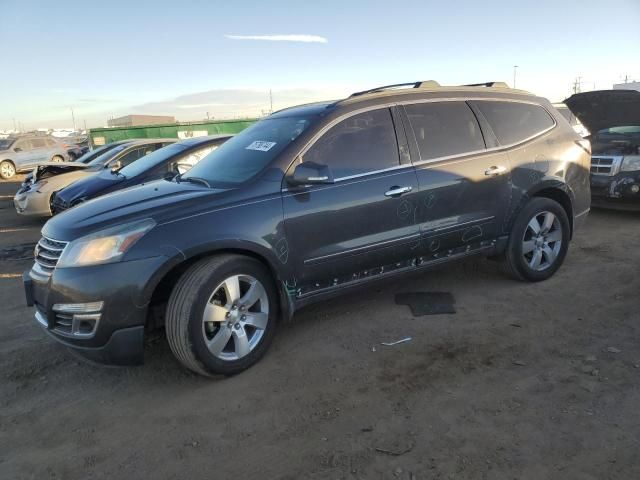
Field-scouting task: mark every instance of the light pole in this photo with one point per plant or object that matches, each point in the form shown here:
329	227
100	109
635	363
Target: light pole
515	70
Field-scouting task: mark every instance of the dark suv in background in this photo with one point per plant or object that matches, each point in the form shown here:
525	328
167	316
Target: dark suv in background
307	203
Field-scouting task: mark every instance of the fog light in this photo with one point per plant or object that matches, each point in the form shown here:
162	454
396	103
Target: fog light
635	188
77	319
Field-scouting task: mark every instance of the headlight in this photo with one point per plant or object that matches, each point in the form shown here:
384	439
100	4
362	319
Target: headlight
630	164
106	246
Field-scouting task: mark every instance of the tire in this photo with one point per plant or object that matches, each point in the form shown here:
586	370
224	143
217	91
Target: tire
532	256
57	158
7	169
204	289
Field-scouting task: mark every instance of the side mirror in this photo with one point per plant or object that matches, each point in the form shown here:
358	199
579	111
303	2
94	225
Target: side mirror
17	149
311	173
115	166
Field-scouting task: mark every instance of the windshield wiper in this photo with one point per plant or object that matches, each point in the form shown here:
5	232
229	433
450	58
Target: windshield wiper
179	178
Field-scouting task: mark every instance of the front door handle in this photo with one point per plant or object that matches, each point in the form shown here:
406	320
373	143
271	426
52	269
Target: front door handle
397	191
495	170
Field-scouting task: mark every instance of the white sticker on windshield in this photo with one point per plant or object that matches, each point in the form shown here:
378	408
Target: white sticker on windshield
261	146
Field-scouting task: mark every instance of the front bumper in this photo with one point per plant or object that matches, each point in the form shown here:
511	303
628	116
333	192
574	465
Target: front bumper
620	191
123	291
32	203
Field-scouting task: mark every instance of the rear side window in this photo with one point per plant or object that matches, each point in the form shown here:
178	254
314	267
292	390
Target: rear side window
444	128
38	143
363	143
514	122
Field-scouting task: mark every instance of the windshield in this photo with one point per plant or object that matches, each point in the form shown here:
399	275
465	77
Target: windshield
246	154
6	143
91	154
108	155
152	160
626	130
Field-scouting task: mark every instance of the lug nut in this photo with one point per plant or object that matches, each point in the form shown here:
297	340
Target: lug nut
243	317
237	326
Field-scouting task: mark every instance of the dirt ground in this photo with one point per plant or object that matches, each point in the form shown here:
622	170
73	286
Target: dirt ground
526	381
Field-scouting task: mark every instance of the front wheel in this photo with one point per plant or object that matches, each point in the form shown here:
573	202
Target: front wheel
539	240
57	158
221	316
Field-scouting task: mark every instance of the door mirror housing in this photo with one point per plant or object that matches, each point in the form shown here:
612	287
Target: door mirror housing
311	173
115	166
17	149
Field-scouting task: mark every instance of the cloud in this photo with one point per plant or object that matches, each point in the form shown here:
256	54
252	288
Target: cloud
281	38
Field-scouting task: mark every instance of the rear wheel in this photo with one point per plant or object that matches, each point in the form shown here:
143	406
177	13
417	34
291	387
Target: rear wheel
57	158
7	169
222	314
539	241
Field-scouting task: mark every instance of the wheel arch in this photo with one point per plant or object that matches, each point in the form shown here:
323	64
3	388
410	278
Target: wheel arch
553	189
161	288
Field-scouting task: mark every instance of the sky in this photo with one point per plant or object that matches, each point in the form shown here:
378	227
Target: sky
193	58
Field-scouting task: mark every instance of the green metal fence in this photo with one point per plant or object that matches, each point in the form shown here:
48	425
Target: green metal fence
103	136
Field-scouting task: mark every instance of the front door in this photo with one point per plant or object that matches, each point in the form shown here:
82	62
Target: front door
465	187
365	220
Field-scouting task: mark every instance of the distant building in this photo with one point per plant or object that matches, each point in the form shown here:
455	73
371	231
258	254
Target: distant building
627	86
133	120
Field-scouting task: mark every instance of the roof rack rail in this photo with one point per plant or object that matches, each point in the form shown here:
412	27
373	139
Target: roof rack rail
425	84
487	84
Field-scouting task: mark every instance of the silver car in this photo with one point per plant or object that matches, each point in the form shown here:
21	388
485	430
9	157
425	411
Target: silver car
36	192
23	153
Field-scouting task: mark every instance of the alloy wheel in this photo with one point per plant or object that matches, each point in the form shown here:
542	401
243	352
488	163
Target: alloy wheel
235	317
7	170
542	241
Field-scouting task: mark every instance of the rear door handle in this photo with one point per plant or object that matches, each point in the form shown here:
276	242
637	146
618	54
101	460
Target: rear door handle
495	170
397	191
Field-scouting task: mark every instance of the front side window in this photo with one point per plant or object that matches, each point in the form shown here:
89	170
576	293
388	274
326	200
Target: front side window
363	143
514	122
443	129
38	143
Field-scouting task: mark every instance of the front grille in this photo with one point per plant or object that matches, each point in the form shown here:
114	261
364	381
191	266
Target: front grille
47	253
605	165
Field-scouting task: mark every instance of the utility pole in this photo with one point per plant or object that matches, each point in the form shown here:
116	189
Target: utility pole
270	102
515	70
577	85
15	129
73	119
207	116
85	124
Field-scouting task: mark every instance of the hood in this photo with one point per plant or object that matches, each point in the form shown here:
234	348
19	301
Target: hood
606	108
161	200
49	169
89	187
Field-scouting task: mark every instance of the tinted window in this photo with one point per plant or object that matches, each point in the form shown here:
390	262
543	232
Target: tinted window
362	143
514	122
38	143
5	143
137	153
50	143
103	158
444	128
246	154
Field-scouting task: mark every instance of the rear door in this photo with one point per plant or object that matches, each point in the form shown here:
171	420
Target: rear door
364	222
464	186
22	153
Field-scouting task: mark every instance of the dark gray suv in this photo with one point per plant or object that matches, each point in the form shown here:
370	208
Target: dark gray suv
307	203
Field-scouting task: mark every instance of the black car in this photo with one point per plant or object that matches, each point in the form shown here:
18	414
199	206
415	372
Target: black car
109	163
171	160
306	204
613	118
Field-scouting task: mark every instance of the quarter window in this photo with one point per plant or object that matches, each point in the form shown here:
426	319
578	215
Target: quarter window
363	143
443	129
514	122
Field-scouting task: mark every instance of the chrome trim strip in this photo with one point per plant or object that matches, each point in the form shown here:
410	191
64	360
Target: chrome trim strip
366	247
352	177
41	319
458	225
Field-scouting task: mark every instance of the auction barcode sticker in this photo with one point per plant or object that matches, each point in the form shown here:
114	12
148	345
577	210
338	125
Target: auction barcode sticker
260	146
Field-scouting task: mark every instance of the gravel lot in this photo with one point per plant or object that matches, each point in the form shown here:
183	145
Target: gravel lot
524	382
